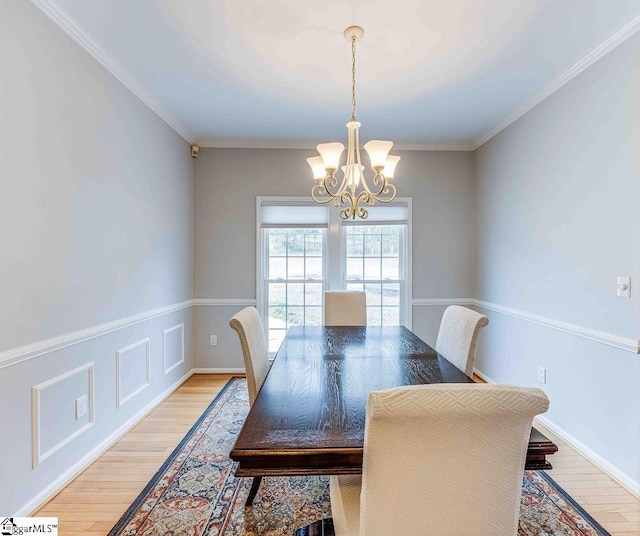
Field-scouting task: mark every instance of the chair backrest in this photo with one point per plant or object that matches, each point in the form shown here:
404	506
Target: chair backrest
449	457
458	336
248	325
345	308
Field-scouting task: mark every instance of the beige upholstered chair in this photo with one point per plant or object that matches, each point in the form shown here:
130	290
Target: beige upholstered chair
248	325
345	308
441	459
458	336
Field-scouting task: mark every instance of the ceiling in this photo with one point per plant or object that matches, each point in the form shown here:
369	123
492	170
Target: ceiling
277	73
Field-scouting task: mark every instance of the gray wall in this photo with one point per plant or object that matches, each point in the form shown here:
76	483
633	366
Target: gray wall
96	226
557	222
227	182
97	219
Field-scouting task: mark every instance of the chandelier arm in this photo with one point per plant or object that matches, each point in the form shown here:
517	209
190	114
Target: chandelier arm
389	191
329	184
317	191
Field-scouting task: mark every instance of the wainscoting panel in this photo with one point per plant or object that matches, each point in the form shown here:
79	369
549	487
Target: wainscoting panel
54	423
133	370
173	347
119	368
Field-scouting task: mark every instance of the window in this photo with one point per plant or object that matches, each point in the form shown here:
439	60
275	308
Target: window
305	248
294	281
292	277
373	263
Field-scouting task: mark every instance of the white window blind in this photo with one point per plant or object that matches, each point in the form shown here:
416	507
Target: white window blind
289	214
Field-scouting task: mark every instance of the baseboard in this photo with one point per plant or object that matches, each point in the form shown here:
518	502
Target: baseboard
219	370
483	376
47	493
611	470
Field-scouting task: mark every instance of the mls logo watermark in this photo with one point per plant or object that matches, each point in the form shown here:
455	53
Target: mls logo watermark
16	526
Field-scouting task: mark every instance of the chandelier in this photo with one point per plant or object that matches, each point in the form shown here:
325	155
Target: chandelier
354	192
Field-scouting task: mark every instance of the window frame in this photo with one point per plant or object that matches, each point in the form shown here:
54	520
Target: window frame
262	257
404	311
334	255
264	310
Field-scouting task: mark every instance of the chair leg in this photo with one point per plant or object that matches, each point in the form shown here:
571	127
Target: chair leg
254	489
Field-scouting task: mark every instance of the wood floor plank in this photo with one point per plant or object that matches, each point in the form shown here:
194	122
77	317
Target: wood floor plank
94	501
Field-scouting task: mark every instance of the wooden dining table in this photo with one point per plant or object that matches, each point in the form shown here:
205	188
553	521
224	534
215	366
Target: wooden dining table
308	418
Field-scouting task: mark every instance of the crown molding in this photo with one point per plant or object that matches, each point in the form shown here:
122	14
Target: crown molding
83	39
292	144
433	146
217	143
594	55
49	8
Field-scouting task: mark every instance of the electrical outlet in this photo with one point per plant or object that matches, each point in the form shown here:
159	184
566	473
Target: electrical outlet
542	375
81	406
213	340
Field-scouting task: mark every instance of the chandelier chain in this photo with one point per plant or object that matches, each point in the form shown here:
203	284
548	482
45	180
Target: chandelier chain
353	78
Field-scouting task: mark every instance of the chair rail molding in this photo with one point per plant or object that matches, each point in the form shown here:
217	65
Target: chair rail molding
229	302
29	351
19	354
441	301
617	341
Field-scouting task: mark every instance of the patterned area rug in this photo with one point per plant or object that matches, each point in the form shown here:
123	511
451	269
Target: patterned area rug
195	492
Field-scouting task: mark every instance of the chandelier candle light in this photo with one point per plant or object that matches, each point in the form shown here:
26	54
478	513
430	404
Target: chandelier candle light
325	166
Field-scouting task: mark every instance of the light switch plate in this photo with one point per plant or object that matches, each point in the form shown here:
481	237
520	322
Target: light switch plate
624	286
213	340
542	375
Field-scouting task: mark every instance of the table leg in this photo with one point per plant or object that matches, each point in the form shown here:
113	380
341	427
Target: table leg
254	489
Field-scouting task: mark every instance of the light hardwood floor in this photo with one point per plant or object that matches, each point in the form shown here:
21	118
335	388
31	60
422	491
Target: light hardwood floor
92	503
